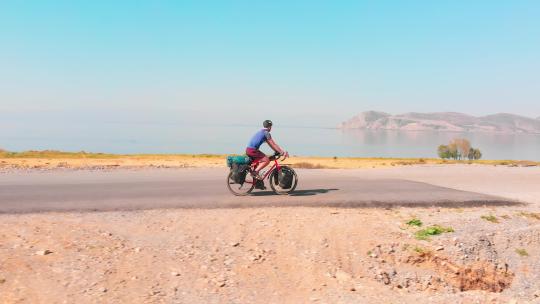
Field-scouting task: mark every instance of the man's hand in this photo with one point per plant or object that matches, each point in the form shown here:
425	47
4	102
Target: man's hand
285	155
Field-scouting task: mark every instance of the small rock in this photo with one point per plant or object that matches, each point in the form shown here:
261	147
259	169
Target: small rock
103	289
137	249
342	275
43	252
235	244
439	248
175	274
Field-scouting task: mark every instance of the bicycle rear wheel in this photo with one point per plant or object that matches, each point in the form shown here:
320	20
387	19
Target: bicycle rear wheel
274	183
240	189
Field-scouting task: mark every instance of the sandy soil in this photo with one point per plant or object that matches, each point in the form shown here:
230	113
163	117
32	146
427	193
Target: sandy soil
271	255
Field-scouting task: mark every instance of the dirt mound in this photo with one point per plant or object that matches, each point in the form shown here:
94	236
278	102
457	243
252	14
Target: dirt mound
421	269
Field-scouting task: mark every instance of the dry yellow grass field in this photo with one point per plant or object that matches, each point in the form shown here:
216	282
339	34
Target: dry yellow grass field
82	160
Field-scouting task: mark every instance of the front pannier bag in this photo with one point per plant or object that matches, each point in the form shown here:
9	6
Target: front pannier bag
285	178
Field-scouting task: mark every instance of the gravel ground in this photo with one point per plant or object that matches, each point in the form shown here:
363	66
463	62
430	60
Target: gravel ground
285	255
270	255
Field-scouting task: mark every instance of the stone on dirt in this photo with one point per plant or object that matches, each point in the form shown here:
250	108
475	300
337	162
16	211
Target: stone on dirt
43	252
342	276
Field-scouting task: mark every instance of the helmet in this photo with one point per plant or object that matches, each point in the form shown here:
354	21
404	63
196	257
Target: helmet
267	123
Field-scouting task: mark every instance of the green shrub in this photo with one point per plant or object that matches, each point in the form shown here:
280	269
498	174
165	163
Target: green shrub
490	218
424	234
522	252
415	222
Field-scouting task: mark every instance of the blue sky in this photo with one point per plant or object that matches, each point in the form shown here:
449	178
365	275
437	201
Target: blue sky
312	63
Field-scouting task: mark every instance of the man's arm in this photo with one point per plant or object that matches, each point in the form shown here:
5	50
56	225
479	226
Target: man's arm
275	146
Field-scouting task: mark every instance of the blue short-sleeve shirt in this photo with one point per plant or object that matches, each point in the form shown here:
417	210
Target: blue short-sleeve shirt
259	138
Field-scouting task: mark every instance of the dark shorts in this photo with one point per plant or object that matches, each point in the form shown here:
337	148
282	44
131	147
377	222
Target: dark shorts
255	154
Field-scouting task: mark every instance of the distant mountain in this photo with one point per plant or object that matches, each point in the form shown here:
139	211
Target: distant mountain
443	121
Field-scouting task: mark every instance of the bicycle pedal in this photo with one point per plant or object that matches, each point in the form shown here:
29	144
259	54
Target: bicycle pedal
260	185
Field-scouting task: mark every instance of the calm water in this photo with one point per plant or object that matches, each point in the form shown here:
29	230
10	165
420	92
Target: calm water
179	138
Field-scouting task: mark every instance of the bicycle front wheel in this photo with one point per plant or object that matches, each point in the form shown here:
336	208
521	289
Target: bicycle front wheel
274	182
240	189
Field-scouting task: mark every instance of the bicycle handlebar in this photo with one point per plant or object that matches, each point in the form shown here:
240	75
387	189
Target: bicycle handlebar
277	156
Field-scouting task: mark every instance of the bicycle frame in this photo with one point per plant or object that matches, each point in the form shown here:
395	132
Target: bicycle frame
275	165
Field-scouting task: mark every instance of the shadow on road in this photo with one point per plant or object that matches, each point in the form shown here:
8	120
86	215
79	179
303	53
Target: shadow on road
309	192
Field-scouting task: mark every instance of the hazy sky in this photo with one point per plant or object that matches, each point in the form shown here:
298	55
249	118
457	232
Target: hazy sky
297	62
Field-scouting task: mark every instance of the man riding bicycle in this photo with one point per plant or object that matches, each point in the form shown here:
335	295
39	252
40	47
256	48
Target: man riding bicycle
256	141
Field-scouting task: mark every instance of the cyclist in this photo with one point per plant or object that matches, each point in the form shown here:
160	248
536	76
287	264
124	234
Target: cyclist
256	141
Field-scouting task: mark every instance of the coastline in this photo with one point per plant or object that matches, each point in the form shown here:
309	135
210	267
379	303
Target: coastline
50	160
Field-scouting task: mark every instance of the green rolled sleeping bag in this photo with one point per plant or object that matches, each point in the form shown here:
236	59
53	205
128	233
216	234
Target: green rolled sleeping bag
237	159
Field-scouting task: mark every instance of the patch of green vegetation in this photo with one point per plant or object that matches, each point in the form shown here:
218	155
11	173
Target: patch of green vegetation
424	234
490	218
522	252
369	252
532	215
415	222
506	216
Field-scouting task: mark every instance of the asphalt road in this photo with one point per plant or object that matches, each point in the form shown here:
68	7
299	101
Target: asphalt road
23	192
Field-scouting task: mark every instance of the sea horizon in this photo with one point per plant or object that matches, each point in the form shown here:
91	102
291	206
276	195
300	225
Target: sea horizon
205	138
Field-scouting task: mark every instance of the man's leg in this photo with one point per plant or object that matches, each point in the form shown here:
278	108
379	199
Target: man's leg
263	162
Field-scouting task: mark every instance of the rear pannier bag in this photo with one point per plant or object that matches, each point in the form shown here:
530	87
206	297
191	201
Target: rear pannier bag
285	178
239	172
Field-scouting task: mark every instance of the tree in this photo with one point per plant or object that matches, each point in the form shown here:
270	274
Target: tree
453	150
443	151
477	154
474	154
461	146
471	154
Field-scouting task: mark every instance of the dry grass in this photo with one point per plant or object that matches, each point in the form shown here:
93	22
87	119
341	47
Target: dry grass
530	215
490	218
306	165
522	252
53	159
